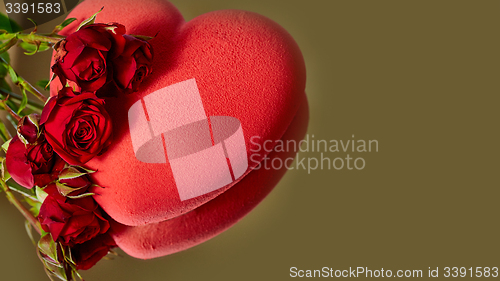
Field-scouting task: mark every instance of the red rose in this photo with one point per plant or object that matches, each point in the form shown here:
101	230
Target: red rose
86	255
28	128
31	160
83	56
133	65
76	125
71	221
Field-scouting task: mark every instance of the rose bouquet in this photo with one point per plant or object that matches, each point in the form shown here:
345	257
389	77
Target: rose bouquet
153	161
43	173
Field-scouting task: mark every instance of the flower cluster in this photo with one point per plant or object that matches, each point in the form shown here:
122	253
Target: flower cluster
73	218
101	58
97	61
36	157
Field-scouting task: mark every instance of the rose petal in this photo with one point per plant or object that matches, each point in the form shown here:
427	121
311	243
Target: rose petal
17	163
86	255
124	70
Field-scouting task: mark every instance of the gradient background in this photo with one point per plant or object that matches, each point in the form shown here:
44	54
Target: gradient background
421	77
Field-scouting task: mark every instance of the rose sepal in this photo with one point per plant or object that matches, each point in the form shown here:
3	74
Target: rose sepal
41	195
5	145
90	20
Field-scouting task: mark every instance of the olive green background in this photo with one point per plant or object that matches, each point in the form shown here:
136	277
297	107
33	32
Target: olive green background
421	77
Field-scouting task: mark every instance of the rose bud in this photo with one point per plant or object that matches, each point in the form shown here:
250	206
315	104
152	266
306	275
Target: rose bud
86	255
30	159
133	65
76	125
79	184
83	56
71	221
28	128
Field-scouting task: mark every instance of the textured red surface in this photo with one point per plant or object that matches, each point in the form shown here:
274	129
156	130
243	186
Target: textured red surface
246	66
207	221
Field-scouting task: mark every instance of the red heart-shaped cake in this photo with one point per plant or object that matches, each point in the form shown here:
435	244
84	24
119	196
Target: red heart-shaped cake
181	167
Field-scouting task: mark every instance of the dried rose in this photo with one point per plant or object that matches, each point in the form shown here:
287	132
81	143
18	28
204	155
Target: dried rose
83	56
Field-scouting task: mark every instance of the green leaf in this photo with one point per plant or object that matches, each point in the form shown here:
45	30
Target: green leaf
8	25
71	173
44	84
4	133
63	25
29	230
24	101
13	75
40	194
81	195
69	258
54	268
5	58
5	173
35	205
5	146
47	267
33	118
61	274
3	65
28	193
143	37
88	171
31	200
48	84
90	20
64	190
7	45
63	250
54	271
32	48
48	247
3	69
4	86
7	36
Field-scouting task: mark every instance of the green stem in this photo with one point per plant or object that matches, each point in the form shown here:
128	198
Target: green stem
37	37
23	191
25	212
10	111
16	98
21	82
32	89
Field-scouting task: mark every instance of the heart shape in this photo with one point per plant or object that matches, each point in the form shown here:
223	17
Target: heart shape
244	66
